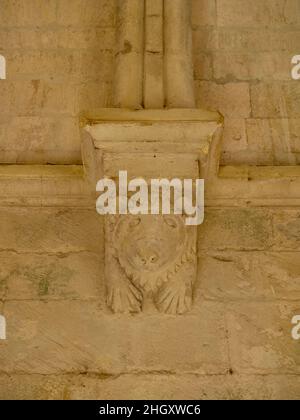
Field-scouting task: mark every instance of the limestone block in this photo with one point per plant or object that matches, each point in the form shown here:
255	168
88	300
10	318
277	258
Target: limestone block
238	229
286	135
51	277
81	66
149	387
260	338
242	13
32	387
166	165
235	136
250	275
259	135
274	100
27	38
38	97
50	231
200	347
204	40
58	337
248	157
36	139
95	95
271	141
187	387
19	13
86	12
43	185
92	63
216	97
76	38
203	13
259	39
252	66
28	65
286	225
252	186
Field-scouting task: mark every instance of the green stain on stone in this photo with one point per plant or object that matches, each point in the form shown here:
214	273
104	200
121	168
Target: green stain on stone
43	287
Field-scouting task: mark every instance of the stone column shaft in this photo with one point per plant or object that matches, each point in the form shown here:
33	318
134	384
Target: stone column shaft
128	84
179	79
154	63
154	97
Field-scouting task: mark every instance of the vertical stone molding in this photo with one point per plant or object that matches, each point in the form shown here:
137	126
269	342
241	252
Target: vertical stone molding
128	84
154	96
178	59
154	64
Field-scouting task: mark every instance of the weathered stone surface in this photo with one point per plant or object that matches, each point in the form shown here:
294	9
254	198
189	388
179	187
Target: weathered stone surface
275	100
233	44
252	66
215	96
70	336
50	231
56	55
39	139
188	387
242	13
259	39
235	136
150	387
236	342
43	277
203	12
21	14
260	338
86	13
238	229
287	230
237	43
250	275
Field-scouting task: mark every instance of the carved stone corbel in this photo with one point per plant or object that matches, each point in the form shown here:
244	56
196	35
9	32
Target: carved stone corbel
151	260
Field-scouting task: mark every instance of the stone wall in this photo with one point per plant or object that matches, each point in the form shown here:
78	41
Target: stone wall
243	51
59	61
64	342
